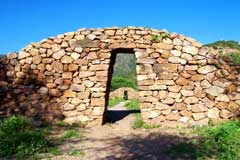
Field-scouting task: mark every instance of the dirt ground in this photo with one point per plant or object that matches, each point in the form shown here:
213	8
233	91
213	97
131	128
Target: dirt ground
118	141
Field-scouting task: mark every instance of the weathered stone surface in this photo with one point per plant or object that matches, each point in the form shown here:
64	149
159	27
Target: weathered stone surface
177	60
182	81
187	93
23	54
214	90
222	98
198	108
66	59
213	113
190	49
198	116
59	54
158	68
191	100
206	69
67	75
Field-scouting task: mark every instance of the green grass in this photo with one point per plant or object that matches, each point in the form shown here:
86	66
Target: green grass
20	138
114	101
72	133
76	153
220	142
235	57
138	122
119	82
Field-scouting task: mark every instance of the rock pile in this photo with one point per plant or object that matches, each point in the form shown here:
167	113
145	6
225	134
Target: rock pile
66	77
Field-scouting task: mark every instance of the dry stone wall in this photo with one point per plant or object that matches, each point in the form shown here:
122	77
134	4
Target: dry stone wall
67	77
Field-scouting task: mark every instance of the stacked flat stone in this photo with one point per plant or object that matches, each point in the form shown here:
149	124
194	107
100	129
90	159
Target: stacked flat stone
67	77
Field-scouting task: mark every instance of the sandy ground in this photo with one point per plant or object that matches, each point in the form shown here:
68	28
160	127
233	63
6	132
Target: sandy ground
118	141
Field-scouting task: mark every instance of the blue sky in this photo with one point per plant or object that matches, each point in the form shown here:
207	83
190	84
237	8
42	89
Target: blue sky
24	21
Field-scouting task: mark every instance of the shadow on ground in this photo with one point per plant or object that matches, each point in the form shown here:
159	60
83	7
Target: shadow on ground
116	115
153	146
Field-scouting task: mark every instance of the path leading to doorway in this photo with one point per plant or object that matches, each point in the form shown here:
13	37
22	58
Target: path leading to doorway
119	141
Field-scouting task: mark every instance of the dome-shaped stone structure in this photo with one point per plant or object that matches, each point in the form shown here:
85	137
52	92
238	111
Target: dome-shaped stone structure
68	77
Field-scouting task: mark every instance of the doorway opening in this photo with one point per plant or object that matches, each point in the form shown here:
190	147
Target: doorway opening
122	90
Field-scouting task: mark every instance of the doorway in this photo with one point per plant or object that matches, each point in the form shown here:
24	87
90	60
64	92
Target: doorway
122	90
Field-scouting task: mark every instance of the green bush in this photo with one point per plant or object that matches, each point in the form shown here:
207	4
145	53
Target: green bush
222	140
224	44
118	82
18	137
235	57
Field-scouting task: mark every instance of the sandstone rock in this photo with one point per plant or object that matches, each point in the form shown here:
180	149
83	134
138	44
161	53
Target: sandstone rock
92	56
158	68
179	106
197	77
69	107
23	54
66	59
186	113
213	113
176	53
100	67
67	75
190	49
59	54
225	113
84	74
198	108
177	42
75	55
43	90
69	93
153	114
177	60
97	111
184	119
214	91
145	61
198	116
232	106
37	59
173	117
187	93
157	87
191	100
162	94
98	102
72	67
182	81
174	95
46	45
56	47
174	88
168	100
88	83
206	69
205	84
222	98
12	56
57	66
77	87
162	46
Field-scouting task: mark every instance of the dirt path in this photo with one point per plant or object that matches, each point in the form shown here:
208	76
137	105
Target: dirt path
119	141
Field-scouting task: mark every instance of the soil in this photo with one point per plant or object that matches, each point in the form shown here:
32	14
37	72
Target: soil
118	141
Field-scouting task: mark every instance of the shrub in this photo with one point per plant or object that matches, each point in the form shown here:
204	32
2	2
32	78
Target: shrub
235	57
18	137
221	140
118	82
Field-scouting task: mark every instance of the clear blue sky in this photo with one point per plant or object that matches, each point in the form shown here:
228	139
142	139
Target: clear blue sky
24	21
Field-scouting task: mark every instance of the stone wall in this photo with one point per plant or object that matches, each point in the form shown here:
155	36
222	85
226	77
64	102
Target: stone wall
119	93
67	77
